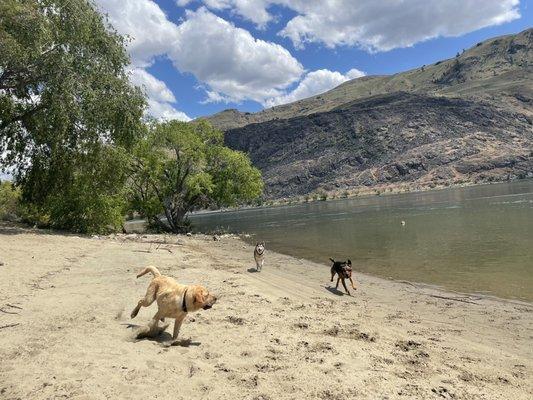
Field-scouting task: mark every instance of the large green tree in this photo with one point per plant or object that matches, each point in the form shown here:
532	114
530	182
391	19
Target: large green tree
68	113
180	167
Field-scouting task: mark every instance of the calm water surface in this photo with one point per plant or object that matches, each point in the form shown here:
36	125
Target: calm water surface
477	239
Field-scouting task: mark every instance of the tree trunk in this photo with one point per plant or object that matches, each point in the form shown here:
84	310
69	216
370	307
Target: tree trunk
159	225
175	213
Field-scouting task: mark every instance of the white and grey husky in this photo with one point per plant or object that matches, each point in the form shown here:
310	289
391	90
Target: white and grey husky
259	255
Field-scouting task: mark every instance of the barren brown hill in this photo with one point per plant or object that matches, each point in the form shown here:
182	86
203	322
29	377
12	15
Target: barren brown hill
464	120
389	139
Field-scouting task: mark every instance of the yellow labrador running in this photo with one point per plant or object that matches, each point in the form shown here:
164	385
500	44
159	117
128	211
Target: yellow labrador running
173	300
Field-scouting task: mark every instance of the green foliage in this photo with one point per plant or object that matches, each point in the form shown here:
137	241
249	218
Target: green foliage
92	198
179	167
258	202
67	112
9	201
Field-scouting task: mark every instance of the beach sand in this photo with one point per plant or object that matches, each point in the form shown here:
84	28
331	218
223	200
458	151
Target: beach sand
284	333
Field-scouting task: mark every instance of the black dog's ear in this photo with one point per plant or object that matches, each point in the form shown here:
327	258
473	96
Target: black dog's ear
349	262
256	244
263	243
332	260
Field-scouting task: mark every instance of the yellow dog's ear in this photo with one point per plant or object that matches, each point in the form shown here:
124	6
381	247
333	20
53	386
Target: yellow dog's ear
199	296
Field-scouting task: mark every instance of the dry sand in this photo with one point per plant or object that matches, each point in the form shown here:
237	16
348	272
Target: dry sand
279	334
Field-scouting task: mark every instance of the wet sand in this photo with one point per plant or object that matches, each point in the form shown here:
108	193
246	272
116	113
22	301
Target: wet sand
284	333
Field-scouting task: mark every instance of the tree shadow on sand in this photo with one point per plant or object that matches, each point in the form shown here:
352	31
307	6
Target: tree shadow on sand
19	228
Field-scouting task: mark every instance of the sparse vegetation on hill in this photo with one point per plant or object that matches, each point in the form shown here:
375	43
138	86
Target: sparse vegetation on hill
497	69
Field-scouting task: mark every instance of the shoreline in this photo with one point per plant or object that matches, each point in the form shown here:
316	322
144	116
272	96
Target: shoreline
499	281
417	284
242	237
283	333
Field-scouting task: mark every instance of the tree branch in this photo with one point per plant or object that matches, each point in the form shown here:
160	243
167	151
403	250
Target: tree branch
21	117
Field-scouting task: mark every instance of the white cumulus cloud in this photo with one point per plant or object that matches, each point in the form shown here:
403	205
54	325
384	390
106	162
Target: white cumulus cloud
234	64
253	10
314	83
159	96
375	25
230	64
153	87
165	111
385	25
148	31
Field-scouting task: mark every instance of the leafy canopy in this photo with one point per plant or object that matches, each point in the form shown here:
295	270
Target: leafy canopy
9	197
182	166
67	111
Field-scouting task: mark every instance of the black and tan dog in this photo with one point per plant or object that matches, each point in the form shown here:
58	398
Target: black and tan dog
343	269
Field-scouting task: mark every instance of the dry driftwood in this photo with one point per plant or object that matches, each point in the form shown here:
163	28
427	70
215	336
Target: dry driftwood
461	299
158	247
7	312
464	299
8	326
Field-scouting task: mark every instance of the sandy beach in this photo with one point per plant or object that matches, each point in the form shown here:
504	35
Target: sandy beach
284	333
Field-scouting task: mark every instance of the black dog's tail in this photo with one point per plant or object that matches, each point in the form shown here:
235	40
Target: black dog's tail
332	260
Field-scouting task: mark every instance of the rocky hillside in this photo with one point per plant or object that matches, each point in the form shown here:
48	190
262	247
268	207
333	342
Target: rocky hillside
468	119
388	139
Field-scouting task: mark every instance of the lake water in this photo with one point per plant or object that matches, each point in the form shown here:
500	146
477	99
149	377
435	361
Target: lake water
477	239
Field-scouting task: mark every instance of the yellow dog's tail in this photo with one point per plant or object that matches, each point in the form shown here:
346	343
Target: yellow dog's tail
155	272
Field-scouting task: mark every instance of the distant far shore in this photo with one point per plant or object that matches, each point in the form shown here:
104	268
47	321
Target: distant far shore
361	192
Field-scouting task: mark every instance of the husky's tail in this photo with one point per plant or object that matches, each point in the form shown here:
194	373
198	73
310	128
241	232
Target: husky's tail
151	269
332	260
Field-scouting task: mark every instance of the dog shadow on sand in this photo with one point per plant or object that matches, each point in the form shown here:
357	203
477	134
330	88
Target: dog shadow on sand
142	332
335	291
252	270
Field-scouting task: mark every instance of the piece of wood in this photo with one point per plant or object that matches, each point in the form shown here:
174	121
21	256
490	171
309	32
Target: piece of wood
463	300
7	312
460	299
8	326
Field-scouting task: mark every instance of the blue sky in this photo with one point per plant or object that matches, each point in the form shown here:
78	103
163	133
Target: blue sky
198	57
